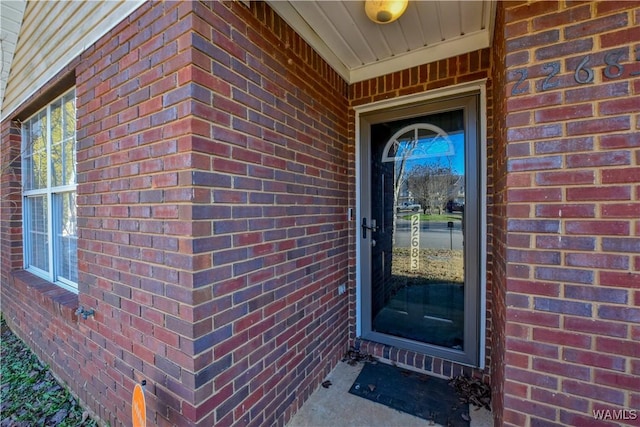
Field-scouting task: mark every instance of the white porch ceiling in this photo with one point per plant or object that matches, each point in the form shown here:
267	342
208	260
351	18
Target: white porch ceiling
341	33
359	49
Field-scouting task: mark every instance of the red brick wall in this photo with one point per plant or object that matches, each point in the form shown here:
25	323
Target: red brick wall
134	194
38	311
571	195
271	172
128	247
499	210
10	199
41	313
215	169
212	200
447	72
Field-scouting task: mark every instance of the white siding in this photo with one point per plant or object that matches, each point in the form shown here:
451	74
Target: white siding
11	13
53	33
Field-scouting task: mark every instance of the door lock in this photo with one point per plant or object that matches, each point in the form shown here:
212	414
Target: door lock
365	227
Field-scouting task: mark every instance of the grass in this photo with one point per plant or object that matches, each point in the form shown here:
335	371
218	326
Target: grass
29	394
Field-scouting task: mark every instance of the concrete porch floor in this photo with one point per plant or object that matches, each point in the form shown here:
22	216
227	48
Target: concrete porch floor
335	407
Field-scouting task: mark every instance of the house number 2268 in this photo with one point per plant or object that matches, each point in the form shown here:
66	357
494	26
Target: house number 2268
582	74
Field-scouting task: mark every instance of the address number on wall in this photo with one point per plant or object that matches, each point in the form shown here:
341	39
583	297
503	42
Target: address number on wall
415	242
582	74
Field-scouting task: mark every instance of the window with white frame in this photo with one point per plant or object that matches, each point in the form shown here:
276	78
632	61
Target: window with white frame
49	192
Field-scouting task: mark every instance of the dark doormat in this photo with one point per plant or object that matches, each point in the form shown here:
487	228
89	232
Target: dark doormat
424	396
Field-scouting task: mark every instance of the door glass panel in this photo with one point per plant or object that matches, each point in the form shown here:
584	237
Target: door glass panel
417	207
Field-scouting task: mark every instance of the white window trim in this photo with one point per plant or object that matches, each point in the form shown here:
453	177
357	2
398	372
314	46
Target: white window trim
49	193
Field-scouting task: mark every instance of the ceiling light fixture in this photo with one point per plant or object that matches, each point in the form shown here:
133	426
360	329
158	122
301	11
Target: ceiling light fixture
384	11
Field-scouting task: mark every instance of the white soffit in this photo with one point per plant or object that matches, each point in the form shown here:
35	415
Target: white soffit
11	13
359	49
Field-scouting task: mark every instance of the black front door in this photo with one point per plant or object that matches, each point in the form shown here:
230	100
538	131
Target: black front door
417	290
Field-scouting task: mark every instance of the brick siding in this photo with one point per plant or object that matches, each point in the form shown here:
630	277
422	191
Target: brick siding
568	198
216	165
212	198
10	200
499	209
271	169
134	229
39	312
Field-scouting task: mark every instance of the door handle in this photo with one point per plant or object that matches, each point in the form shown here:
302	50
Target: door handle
365	227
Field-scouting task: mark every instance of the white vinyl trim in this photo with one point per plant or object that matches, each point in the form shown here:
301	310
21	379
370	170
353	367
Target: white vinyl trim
428	54
287	12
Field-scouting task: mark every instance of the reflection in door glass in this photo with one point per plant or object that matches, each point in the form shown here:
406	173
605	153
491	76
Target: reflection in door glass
418	199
